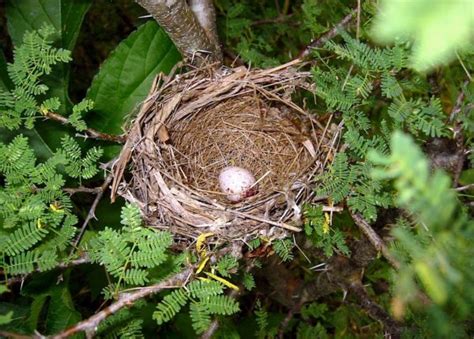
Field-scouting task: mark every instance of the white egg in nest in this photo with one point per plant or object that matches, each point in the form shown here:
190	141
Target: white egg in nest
237	183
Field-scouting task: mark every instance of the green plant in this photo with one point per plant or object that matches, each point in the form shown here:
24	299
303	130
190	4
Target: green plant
329	280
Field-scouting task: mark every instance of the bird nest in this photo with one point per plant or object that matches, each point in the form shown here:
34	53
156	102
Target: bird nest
195	124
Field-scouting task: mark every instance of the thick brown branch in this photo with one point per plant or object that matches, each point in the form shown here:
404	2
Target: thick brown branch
91	133
206	15
178	20
328	35
374	239
125	300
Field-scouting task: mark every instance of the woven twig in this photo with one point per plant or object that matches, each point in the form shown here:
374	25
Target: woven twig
196	123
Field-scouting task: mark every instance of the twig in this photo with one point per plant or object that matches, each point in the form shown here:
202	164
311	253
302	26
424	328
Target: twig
328	35
63	265
91	213
289	316
464	188
11	335
458	136
125	300
375	311
91	133
374	239
276	20
81	189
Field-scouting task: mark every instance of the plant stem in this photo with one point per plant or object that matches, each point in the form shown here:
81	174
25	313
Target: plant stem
91	133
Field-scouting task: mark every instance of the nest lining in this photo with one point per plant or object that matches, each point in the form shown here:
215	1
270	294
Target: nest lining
195	124
245	132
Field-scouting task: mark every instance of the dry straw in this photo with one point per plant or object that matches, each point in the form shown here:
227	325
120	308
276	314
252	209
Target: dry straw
194	124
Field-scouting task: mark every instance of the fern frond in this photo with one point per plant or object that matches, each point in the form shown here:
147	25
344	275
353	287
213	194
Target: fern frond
226	265
221	304
75	119
337	182
135	276
283	248
170	306
199	289
131	216
248	281
200	316
22	263
390	86
110	249
46	260
79	166
17	159
24	238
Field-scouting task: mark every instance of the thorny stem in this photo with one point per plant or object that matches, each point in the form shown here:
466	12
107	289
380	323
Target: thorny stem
91	213
375	311
374	239
91	133
328	35
125	300
458	135
63	265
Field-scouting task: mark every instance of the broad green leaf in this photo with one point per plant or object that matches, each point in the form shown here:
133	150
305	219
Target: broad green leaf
36	307
126	76
5	82
437	28
61	311
64	15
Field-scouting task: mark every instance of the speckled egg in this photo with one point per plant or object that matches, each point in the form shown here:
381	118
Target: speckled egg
237	183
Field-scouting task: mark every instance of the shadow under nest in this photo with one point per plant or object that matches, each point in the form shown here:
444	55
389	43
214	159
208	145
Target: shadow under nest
193	125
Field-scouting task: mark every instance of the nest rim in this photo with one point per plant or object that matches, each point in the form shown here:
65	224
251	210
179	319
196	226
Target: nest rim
168	203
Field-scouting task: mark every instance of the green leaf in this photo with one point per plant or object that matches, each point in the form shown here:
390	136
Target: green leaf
61	311
35	311
64	15
437	28
126	76
6	318
5	81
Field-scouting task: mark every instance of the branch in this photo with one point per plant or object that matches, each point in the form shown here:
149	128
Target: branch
91	133
125	300
182	26
375	311
374	239
11	335
63	265
91	213
206	15
458	136
328	35
82	189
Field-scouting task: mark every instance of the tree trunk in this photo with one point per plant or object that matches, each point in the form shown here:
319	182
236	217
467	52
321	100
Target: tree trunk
179	21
